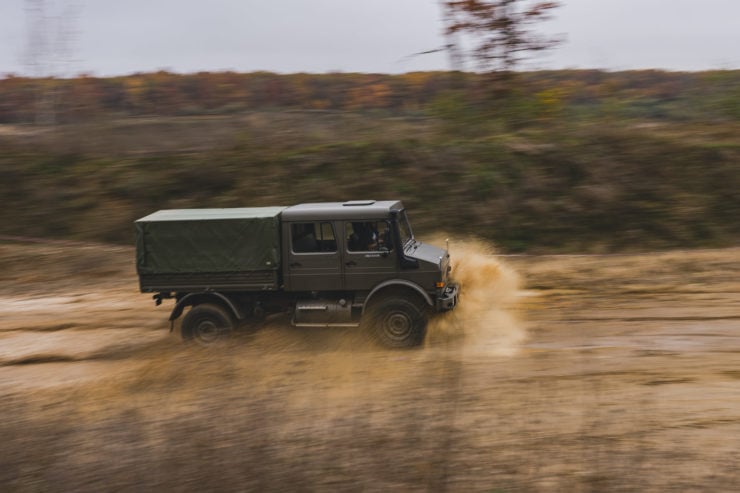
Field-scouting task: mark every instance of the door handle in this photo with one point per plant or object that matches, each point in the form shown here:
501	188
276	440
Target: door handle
351	263
295	264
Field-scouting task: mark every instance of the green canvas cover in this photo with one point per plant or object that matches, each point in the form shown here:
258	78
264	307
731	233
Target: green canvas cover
208	240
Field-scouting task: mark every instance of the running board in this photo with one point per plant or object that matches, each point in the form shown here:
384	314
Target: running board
305	324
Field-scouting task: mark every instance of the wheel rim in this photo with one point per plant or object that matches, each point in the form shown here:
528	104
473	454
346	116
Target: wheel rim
207	331
398	326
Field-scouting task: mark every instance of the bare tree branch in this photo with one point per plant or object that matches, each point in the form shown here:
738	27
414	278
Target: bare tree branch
500	30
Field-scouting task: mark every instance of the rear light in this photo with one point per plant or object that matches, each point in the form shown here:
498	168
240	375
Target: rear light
440	284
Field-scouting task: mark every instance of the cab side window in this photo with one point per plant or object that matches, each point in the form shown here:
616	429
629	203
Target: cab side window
368	236
313	237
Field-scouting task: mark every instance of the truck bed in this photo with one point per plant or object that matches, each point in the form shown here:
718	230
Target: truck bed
209	249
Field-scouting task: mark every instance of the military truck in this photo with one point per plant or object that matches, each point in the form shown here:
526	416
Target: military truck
336	264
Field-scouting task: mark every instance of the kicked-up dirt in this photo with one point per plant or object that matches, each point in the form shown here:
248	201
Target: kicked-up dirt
556	373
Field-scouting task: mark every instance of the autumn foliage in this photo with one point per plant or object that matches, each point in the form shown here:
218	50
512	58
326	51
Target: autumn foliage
545	94
165	93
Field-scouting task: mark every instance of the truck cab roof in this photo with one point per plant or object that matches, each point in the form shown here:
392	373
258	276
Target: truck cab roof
355	209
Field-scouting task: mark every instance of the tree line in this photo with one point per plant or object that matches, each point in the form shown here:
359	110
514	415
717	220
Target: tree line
543	94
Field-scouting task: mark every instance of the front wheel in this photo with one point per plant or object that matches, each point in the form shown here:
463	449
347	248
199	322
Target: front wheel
397	322
207	324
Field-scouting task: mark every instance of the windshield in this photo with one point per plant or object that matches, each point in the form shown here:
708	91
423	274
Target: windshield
405	229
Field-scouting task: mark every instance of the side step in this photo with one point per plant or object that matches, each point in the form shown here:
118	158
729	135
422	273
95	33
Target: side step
323	313
306	324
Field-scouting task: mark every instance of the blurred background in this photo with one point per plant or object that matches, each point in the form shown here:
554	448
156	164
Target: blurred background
541	126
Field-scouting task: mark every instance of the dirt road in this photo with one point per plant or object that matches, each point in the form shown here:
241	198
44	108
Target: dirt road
602	373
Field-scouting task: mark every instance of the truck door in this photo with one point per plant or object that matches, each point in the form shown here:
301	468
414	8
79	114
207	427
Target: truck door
369	254
313	259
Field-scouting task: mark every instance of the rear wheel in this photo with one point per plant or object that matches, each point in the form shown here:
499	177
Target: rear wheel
397	322
207	324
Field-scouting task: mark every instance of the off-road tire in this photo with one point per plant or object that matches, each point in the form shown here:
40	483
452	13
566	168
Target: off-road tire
207	324
397	322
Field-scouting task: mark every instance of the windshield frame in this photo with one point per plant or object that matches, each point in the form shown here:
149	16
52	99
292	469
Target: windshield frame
404	229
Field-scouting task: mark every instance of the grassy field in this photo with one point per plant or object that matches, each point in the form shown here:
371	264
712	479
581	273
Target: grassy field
552	185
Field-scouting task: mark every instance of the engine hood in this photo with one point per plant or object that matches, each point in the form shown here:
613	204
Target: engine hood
426	254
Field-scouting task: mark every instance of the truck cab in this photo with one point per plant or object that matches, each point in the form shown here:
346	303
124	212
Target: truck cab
355	246
360	260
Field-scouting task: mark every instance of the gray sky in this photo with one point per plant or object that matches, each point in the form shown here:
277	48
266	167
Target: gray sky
124	36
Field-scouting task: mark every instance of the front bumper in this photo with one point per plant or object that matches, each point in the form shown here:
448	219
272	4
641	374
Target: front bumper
447	299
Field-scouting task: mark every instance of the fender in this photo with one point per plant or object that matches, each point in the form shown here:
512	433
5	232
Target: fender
197	298
399	283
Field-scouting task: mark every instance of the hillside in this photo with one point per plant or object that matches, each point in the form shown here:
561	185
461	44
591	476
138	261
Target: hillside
575	161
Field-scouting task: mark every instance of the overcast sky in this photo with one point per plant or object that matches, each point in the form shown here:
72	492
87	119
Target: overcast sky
110	37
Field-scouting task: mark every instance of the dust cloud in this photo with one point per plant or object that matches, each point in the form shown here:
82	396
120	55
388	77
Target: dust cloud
486	313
